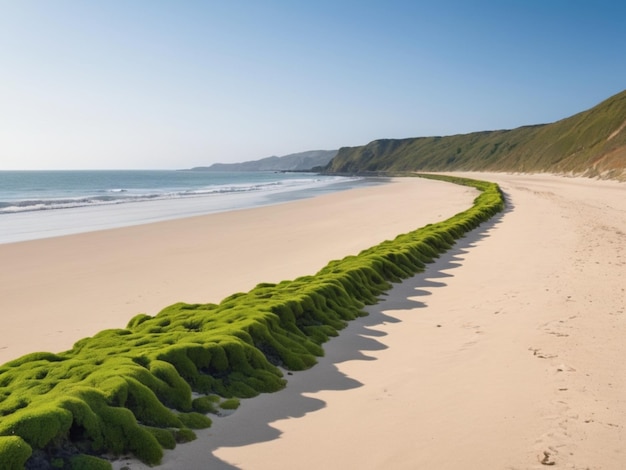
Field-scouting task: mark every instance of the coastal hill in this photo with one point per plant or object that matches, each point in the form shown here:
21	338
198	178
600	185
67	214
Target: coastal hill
591	143
301	161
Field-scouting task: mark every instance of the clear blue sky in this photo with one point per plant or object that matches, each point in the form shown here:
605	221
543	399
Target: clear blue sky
175	84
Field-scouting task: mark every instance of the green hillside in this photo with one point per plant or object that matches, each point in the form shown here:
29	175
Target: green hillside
590	143
301	161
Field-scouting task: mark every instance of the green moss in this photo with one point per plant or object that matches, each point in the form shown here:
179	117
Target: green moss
195	420
184	435
89	462
206	404
130	390
146	407
230	404
165	436
37	426
14	452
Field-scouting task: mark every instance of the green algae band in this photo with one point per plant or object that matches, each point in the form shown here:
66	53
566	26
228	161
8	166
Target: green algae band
130	390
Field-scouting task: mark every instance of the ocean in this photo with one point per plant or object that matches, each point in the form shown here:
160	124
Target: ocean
41	204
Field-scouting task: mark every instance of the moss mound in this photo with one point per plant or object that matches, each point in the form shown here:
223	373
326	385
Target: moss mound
130	390
14	452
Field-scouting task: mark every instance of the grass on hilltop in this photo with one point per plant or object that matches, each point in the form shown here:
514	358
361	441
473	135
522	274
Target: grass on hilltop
591	143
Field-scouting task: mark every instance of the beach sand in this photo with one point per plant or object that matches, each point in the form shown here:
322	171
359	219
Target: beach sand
56	291
506	353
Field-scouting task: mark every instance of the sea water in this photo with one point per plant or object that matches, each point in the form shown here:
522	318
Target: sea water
40	204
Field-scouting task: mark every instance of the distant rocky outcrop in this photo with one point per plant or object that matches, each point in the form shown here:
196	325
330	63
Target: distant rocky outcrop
302	161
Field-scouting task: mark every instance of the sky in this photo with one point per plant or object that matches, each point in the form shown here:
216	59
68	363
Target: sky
154	84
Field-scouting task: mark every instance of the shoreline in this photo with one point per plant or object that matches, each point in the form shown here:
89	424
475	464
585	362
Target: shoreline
89	282
39	224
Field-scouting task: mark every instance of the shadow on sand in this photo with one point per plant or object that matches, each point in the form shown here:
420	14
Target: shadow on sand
251	423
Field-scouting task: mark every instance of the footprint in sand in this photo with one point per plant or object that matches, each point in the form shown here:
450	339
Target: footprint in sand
541	355
547	459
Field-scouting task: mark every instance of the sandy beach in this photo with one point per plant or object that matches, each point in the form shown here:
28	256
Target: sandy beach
55	291
507	353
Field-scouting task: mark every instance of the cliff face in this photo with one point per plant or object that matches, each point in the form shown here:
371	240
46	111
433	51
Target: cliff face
590	143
